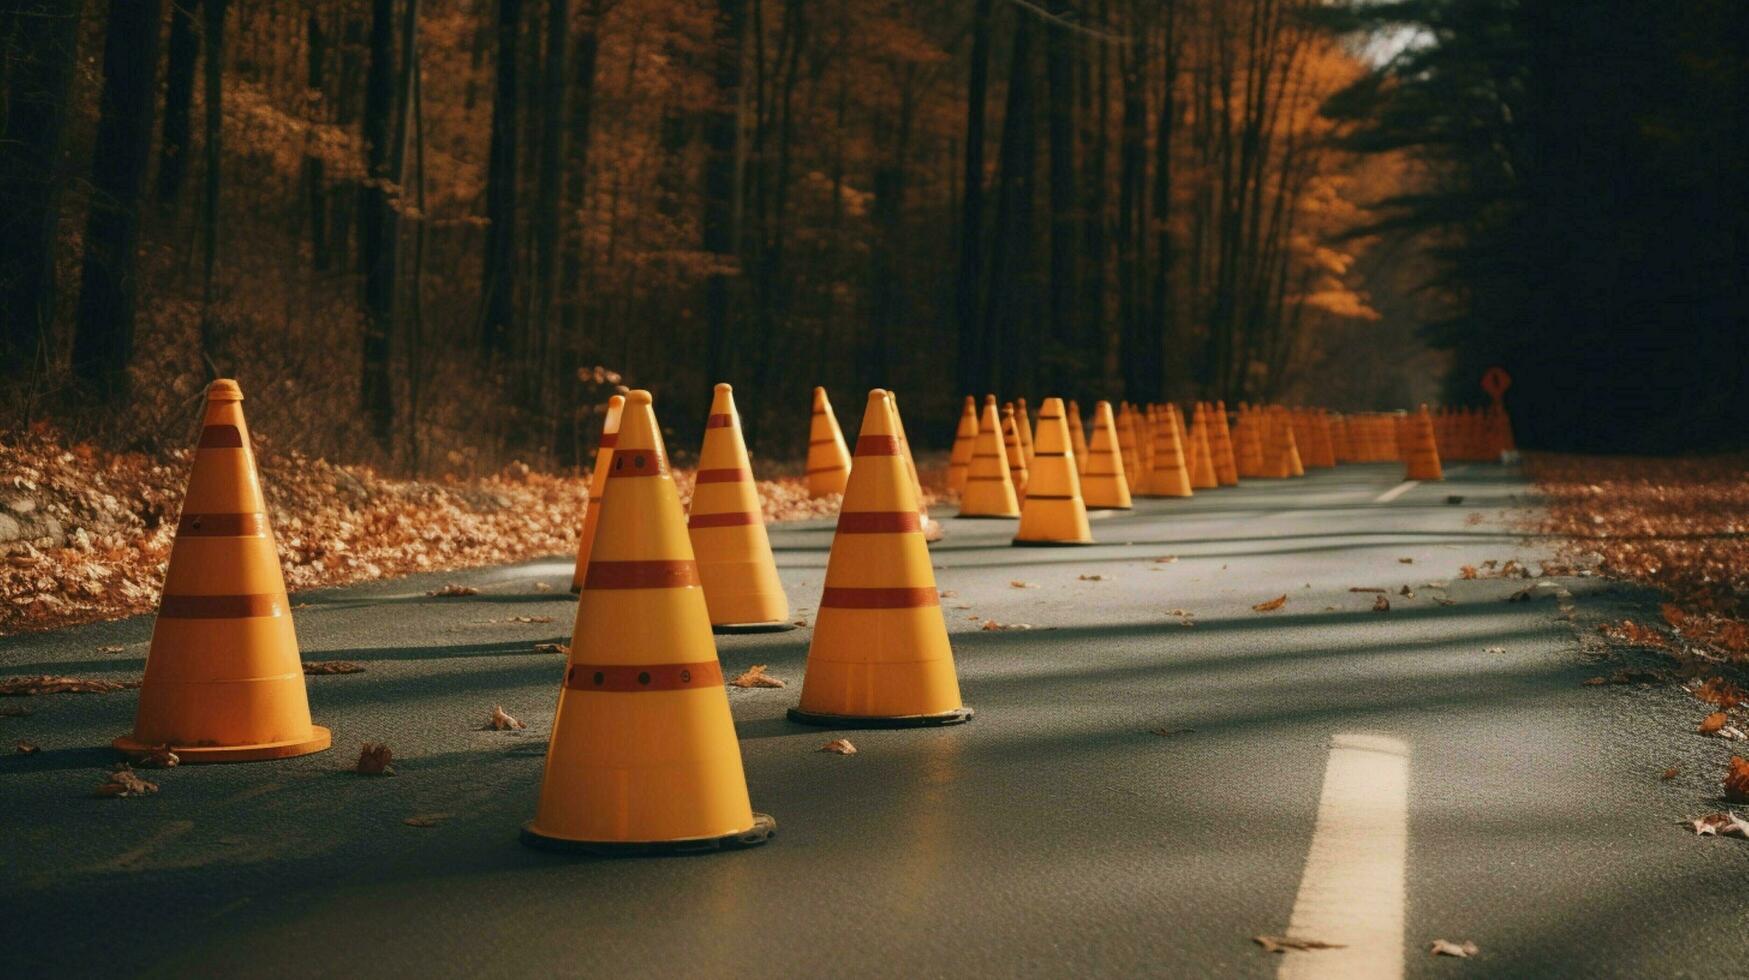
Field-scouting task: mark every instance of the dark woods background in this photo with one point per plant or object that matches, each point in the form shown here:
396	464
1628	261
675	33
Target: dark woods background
432	234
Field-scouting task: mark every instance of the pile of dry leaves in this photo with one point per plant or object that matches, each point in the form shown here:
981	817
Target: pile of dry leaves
1680	524
92	530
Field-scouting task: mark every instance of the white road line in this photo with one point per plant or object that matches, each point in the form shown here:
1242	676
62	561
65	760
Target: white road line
1352	891
1396	491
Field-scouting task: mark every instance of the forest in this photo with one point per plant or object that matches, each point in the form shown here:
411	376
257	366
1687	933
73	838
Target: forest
1264	200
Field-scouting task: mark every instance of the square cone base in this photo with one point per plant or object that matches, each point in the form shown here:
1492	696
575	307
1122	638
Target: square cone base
957	716
1018	543
775	626
319	741
763	829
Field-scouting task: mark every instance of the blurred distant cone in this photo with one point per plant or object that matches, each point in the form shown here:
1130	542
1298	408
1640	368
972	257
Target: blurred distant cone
1420	449
931	527
1016	452
1077	436
1103	482
959	462
989	489
1053	512
643	756
1023	428
828	457
727	531
224	682
597	484
880	656
1170	476
1221	445
1202	463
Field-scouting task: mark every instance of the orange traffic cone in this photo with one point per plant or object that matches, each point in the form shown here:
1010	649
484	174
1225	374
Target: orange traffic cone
597	485
1420	449
880	656
959	461
1126	443
1023	426
1221	444
1053	512
1016	452
223	679
1248	443
828	458
1202	463
1147	438
727	530
1170	476
1295	462
989	490
1103	482
643	757
1077	436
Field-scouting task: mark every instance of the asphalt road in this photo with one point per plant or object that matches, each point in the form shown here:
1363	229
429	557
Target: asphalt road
1473	788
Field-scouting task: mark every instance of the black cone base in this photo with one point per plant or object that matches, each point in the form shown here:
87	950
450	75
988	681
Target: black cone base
763	829
736	628
958	716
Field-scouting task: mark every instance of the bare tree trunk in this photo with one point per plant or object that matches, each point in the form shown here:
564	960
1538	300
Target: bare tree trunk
1069	355
213	26
974	355
498	280
722	138
1141	369
30	171
103	338
178	96
1009	319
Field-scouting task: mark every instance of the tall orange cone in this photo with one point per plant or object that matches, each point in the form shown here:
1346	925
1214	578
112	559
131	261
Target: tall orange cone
1077	436
643	757
828	458
223	679
1053	512
1104	484
1023	426
989	489
727	531
1221	444
1016	452
1420	450
1248	443
931	528
1202	463
959	461
1170	476
1126	442
880	656
597	485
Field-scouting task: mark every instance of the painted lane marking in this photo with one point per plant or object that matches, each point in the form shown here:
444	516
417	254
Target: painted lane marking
1396	491
1352	890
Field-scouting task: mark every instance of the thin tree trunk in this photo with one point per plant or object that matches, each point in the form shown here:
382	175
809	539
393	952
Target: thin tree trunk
548	217
974	355
211	343
498	281
377	225
1009	318
582	105
722	139
178	96
103	338
1060	109
314	170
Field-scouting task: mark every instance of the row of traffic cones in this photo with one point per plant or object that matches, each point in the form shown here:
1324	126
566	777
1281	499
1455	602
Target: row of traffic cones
643	753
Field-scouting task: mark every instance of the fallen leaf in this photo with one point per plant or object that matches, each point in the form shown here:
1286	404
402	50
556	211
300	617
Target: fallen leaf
452	590
1670	773
1169	732
425	819
51	684
933	531
1381	604
1092	578
111	648
500	721
529	619
1719	824
1406	561
1594	681
1495	650
1270	606
543	587
552	648
1018	584
1169	559
1713	723
1717	690
332	667
122	782
950	593
1364	588
991	626
160	757
26	747
839	746
1442	600
1737	780
757	677
1445	947
374	759
1281	944
1467	571
1406	592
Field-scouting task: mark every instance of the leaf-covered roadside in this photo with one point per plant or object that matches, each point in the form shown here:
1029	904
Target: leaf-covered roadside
115	519
1678	524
